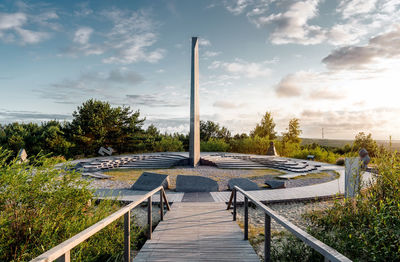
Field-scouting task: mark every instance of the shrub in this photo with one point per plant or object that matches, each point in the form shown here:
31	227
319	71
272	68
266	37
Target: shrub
340	161
319	153
214	145
250	145
367	227
41	206
168	144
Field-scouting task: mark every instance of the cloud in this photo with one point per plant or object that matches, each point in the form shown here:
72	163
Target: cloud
244	68
326	94
289	87
156	100
209	54
350	8
82	35
204	42
298	21
384	46
227	104
101	85
13	26
8	116
131	38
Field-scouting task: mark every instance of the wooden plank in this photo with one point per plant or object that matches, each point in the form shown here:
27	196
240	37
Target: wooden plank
69	244
197	231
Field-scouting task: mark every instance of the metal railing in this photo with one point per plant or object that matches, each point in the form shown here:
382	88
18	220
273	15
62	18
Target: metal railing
329	253
62	251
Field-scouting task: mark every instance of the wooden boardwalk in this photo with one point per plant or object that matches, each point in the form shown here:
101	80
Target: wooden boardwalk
197	231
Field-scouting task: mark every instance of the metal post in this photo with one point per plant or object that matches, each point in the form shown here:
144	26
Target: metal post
65	258
246	218
127	236
267	238
149	218
234	204
161	206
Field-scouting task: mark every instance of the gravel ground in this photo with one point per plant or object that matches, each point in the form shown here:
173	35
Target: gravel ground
222	176
292	211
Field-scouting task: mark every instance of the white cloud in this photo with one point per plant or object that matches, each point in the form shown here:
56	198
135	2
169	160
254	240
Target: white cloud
12	21
12	27
349	8
211	54
204	42
244	68
82	35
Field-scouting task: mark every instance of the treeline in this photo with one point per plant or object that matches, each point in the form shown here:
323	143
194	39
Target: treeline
96	123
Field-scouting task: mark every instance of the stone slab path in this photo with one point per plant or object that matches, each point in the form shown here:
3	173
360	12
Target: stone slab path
197	232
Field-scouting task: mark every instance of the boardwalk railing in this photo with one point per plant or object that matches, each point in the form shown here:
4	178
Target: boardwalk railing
62	251
329	253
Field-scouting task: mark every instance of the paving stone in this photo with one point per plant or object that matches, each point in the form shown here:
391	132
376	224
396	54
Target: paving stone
195	184
243	183
149	181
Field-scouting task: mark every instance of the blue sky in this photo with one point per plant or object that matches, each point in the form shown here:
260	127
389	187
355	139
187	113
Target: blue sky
332	64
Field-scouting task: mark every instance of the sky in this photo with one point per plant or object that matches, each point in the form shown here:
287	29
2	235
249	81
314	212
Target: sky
334	64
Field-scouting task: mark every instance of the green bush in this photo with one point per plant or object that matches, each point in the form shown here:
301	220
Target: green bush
319	153
366	228
41	206
214	145
168	144
250	145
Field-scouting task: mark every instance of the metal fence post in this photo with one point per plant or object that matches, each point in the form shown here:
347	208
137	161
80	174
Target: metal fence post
161	206
234	204
267	238
246	218
127	236
149	218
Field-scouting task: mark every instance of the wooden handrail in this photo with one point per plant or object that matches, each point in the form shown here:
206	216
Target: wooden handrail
329	253
61	252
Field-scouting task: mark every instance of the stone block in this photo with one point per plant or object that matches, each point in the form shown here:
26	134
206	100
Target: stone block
243	183
274	184
195	184
149	181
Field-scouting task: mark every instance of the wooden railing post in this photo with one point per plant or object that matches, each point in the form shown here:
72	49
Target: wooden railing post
161	205
149	218
65	258
246	218
267	238
234	204
127	236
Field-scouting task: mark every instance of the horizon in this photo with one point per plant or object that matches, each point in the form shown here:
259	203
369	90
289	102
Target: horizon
332	64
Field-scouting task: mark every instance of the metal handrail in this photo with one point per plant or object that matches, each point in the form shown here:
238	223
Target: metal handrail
329	253
61	252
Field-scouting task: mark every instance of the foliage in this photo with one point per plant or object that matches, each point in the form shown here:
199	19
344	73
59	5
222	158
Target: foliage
287	247
211	129
169	144
250	145
366	228
319	153
41	206
97	124
292	135
266	128
214	145
365	141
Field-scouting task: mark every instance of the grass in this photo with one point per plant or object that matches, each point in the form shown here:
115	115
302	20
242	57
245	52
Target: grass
317	175
131	175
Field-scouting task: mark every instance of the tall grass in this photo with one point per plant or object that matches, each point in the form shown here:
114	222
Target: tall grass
41	206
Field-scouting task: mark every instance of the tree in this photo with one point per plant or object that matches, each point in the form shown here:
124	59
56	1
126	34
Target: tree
97	124
211	129
365	141
266	128
293	132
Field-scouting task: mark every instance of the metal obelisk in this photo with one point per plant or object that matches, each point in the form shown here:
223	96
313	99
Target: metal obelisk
194	137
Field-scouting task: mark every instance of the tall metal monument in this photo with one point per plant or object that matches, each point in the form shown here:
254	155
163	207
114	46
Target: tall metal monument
194	140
